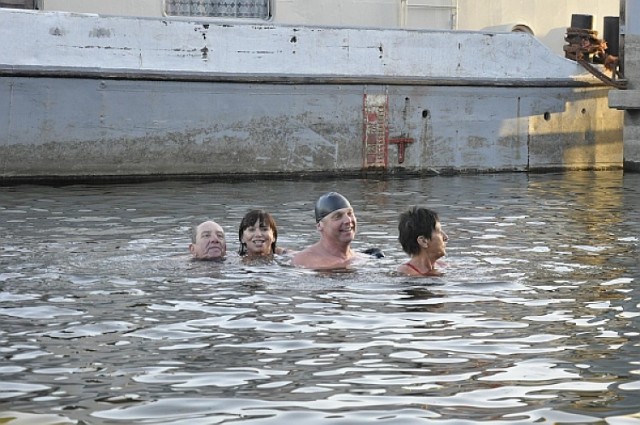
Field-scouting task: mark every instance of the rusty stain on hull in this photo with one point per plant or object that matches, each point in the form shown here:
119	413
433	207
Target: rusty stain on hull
182	98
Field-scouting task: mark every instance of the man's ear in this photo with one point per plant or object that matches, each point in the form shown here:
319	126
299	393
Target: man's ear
192	249
422	241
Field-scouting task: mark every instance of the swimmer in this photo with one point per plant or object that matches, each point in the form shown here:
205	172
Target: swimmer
258	234
336	222
208	241
422	237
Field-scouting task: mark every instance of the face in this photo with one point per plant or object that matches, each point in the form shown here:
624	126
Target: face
436	246
210	242
258	238
339	226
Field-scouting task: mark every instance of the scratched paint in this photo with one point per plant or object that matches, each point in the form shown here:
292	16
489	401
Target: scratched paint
175	45
153	101
376	131
100	33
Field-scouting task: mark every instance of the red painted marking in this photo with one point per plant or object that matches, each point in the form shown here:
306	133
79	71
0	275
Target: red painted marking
402	142
376	131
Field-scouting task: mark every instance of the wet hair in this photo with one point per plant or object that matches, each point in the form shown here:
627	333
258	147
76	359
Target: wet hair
415	222
250	219
328	203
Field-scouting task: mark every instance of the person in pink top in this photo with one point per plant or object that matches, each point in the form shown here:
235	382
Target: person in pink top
422	237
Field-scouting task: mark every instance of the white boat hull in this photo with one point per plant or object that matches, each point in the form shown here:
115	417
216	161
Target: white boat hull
83	95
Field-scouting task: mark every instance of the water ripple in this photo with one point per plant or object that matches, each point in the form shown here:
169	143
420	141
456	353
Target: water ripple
105	319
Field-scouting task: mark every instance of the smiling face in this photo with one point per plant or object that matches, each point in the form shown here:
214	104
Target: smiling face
209	243
258	239
339	226
258	234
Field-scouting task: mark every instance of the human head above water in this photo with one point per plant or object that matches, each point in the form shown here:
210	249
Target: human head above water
328	203
261	222
208	241
415	222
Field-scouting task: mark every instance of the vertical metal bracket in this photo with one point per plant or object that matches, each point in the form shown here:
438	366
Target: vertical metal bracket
402	142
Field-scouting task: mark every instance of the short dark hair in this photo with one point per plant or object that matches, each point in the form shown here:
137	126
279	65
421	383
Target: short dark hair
415	222
249	219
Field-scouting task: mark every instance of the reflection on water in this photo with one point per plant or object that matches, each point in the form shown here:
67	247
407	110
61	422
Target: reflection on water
105	320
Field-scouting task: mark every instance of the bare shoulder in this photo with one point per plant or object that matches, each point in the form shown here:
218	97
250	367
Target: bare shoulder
315	257
304	258
406	270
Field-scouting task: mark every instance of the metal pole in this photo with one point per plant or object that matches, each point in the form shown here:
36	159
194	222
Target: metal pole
623	30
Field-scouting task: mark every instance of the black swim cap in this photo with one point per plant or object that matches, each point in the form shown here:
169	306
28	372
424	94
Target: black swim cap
328	203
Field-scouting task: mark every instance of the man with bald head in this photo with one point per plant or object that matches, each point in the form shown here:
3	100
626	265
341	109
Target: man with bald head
208	241
336	222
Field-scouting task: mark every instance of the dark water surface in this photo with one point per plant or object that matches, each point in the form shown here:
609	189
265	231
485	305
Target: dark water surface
104	320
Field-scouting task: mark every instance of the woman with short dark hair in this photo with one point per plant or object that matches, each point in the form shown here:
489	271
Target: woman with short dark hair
422	237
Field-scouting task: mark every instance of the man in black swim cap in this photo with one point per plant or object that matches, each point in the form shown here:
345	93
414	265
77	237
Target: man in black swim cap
336	222
328	203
